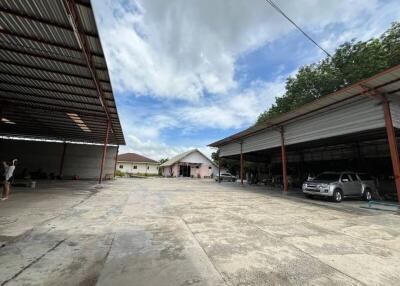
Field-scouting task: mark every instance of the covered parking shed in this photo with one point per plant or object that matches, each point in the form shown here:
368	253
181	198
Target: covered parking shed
57	109
355	128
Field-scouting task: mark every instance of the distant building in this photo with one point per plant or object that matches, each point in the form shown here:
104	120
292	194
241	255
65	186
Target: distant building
132	163
192	163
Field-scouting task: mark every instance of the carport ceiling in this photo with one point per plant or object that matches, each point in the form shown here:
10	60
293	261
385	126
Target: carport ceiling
54	82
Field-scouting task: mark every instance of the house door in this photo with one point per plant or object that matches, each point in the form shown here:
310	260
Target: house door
184	171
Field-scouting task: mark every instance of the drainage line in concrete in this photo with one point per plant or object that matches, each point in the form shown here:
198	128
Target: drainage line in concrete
209	258
33	262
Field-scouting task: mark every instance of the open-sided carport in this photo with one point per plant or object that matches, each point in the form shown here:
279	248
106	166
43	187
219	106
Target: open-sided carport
54	86
362	120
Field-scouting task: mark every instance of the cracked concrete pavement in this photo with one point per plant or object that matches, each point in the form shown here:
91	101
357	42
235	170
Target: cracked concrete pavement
191	232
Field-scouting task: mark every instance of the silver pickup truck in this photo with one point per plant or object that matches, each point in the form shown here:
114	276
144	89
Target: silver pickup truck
338	185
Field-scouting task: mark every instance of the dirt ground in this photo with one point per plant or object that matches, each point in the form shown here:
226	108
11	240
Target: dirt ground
191	232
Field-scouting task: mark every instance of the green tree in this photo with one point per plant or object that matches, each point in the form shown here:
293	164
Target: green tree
163	160
351	62
231	165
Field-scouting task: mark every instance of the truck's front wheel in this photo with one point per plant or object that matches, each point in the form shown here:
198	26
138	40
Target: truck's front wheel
337	196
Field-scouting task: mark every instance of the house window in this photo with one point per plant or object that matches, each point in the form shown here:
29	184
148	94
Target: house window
121	166
134	167
148	167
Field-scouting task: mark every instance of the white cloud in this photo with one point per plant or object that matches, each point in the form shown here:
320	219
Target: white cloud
182	48
187	50
236	111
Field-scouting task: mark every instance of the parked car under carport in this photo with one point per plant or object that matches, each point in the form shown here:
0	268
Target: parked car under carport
338	185
225	177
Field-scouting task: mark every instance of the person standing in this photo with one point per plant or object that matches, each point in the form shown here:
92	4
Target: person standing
8	177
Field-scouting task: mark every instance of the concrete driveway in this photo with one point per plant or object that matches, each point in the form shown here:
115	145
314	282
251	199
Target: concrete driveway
191	232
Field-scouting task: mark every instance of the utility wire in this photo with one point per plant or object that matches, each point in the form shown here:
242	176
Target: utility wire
279	10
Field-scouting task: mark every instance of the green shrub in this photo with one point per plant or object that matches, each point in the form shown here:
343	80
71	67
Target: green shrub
119	173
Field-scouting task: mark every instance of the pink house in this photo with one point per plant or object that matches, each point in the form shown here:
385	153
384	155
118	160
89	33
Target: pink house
192	164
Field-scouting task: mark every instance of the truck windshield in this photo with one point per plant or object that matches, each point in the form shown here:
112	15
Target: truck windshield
327	177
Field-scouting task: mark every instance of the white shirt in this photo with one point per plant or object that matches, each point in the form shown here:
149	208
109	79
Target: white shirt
8	171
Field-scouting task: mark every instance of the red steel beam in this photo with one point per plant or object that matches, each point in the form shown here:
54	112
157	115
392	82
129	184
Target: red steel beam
394	151
75	21
44	41
103	159
42	20
284	161
391	134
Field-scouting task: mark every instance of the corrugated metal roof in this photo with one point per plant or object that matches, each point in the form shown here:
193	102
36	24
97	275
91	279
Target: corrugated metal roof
135	158
386	82
44	74
181	156
177	158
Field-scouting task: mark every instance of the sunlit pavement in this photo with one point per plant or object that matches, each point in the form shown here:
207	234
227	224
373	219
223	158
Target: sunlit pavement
191	232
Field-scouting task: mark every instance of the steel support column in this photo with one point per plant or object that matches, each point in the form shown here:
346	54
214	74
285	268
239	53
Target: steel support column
219	168
241	163
116	161
61	170
284	161
103	159
391	134
394	151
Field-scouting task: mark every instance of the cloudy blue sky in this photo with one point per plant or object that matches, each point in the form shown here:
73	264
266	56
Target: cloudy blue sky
186	73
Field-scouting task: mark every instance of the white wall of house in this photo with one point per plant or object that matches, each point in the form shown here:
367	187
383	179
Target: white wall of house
138	168
171	171
205	169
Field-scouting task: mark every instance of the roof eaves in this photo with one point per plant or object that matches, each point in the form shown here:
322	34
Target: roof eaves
310	107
